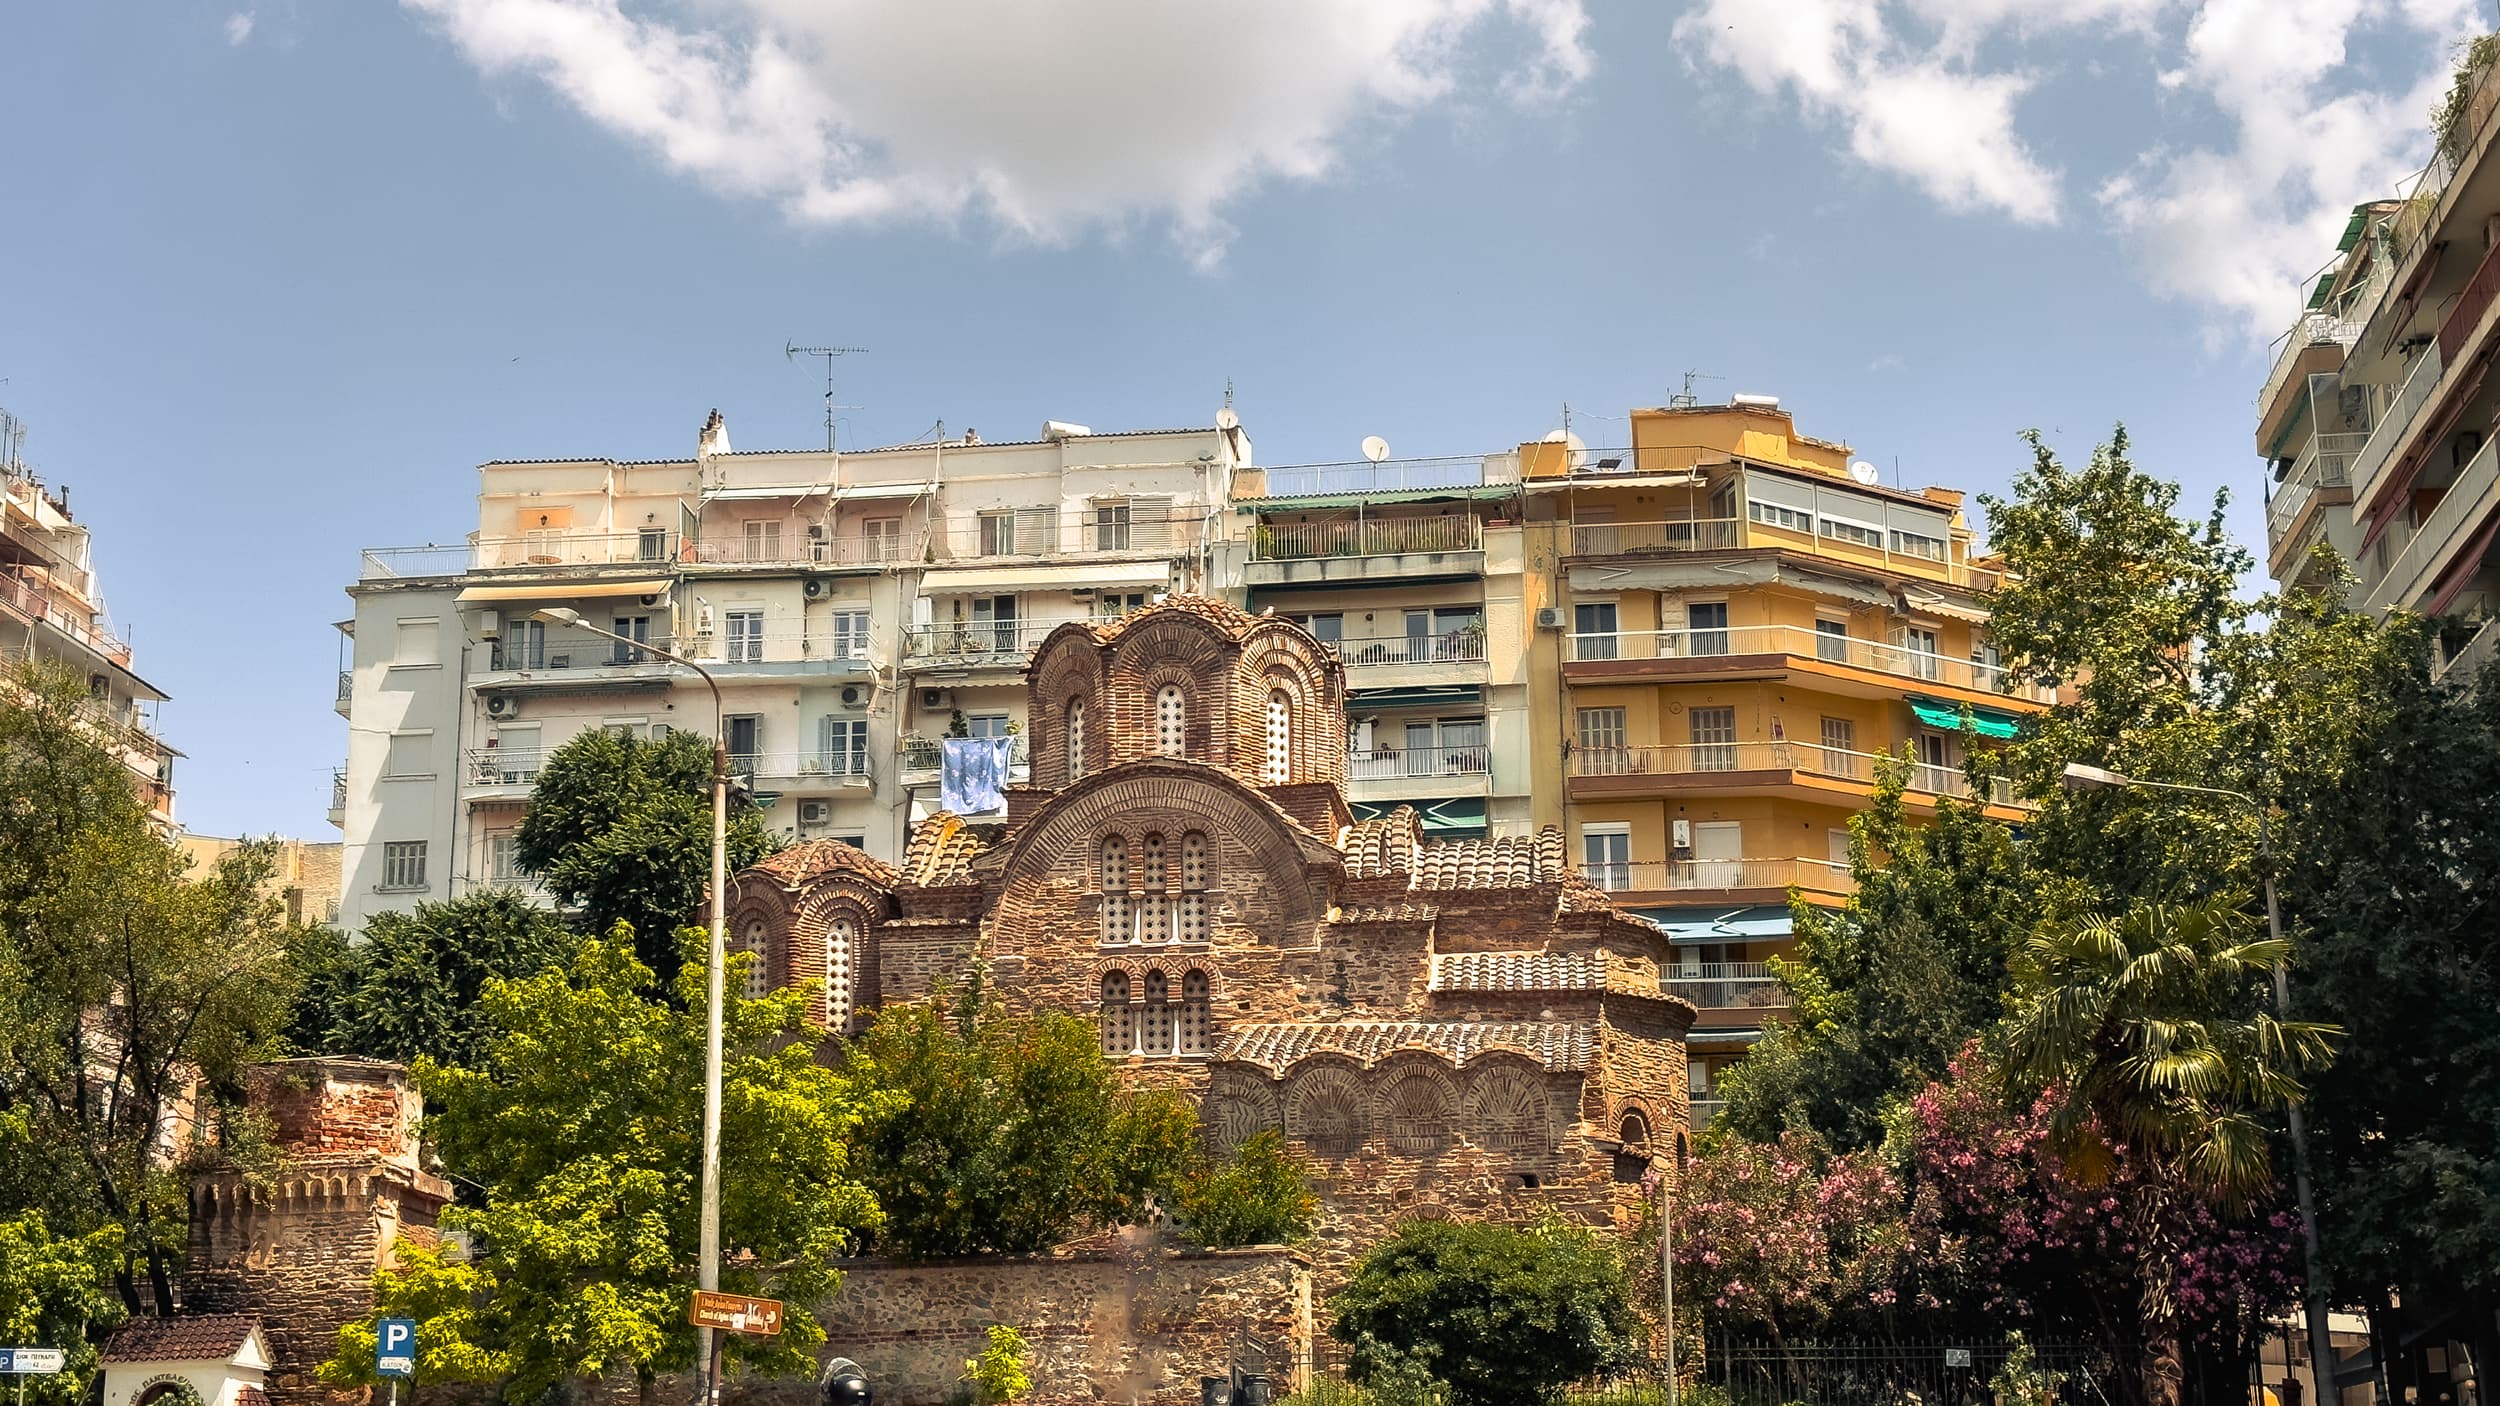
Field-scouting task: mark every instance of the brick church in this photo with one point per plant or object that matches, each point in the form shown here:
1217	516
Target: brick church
1445	1028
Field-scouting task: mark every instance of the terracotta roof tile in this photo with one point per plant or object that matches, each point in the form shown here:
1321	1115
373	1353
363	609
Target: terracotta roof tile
197	1337
1519	971
1500	862
1232	619
253	1396
810	859
941	851
1558	1045
1382	846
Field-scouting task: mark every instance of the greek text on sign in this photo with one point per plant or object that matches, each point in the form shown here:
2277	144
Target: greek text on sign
31	1361
736	1313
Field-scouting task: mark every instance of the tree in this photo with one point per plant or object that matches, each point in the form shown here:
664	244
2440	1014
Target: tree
1261	1195
456	1335
583	1127
2152	1027
1500	1313
412	987
52	1295
1788	1241
996	1133
620	830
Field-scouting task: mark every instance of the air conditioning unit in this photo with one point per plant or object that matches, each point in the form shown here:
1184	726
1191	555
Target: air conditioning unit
653	598
815	812
1549	617
816	587
502	705
933	698
815	532
855	696
559	661
490	624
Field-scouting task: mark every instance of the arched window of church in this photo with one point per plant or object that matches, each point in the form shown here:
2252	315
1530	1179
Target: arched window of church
1279	737
1194	1013
756	938
1119	1031
1171	721
1192	926
1159	1013
841	940
1154	912
1075	737
1115	909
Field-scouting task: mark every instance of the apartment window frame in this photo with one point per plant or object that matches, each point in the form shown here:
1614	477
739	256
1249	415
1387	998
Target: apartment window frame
1589	642
1604	749
1781	516
1839	741
1841	529
403	867
996	528
1706	639
760	539
731	724
633	627
1831	639
417	644
1114	527
849	629
1606	853
882	538
1917	544
502	858
1712	732
651	544
395	762
742	635
842	745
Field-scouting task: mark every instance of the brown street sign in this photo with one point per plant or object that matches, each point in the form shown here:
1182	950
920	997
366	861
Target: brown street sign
735	1313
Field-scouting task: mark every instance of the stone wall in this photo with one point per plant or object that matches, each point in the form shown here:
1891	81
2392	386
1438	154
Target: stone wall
1100	1327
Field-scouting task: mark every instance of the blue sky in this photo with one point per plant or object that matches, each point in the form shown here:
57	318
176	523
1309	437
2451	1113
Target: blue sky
279	275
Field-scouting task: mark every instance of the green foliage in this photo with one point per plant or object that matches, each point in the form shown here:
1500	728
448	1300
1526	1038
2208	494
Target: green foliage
52	1295
2022	1380
1260	1195
1498	1313
620	830
447	1301
1007	1134
2474	56
998	1374
412	986
582	1127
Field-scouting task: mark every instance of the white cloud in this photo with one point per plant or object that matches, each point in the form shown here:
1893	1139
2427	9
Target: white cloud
238	27
1932	90
1049	117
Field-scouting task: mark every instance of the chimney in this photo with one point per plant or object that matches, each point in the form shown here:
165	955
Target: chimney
972	436
60	499
715	437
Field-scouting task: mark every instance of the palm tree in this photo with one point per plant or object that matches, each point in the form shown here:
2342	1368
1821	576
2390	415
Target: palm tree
2153	1030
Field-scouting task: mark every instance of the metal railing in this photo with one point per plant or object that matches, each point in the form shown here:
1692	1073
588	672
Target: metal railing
1724	984
972	643
503	766
1392	475
2395	424
1449	647
1704	1109
2468	660
2314	329
2414	223
2473	300
2325	462
1372	537
347	689
1892	659
1603	539
70	617
1837	763
2418	567
850	764
1030	532
523	649
1634	875
799	549
654	546
338	790
1396	763
923	754
391	563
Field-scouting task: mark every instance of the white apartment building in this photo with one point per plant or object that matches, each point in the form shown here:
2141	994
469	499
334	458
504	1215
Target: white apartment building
853	609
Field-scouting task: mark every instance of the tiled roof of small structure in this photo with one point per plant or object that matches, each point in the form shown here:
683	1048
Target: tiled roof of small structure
251	1396
195	1337
1498	862
809	859
941	851
1230	618
1519	971
1558	1045
1383	845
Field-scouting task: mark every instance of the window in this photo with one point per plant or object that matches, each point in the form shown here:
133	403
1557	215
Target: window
1193	915
633	627
746	637
503	865
1935	768
1194	1014
763	540
1462	751
1840	747
745	736
1775	515
1153	904
419	643
403	864
1606	855
1111	527
411	754
884	538
1327	629
1114	878
1112	605
1707	623
513	760
842	745
1171	721
994	624
1593	630
1918	544
987	725
850	634
1831	640
631	729
1714	738
1718	853
1159	1016
1119	1033
651	544
1074	730
841	939
755	939
523	646
1987	667
1921	644
1842	530
1279	737
1600	742
998	533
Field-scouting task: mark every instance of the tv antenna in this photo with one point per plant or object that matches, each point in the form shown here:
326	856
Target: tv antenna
794	351
1685	399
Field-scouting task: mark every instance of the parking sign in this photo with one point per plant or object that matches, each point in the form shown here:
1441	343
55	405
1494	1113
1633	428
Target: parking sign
395	1347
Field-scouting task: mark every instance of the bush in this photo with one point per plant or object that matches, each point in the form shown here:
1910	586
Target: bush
1259	1196
998	1374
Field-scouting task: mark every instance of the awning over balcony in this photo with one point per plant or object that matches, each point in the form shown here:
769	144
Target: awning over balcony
561	590
1989	721
1458	817
1430	696
1070	575
1680	575
1930	603
1686	927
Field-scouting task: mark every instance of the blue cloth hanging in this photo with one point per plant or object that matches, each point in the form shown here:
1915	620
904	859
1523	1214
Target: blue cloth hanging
972	775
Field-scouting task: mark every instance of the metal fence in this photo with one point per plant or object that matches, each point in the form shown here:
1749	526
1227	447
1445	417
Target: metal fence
1740	1373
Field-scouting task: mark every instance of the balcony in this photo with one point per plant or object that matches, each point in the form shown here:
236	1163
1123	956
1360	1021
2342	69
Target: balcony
1704	1109
1827	773
566	661
923	759
38	604
1360	550
507	770
1606	539
1720	986
2315	329
2467	662
804	770
338	797
1007	534
347	690
1598	540
993	647
2448	530
2395	425
645	547
832	553
1777	876
409	563
2325	463
1762	649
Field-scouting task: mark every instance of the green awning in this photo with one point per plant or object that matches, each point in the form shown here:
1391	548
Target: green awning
2326	285
1453	818
1987	721
2352	229
1694	926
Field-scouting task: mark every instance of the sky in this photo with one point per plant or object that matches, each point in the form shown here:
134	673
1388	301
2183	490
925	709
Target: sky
275	278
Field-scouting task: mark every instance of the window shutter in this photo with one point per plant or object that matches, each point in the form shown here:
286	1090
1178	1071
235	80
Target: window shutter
1037	530
1150	523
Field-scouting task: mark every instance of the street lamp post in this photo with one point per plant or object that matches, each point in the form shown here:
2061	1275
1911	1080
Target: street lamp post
707	1264
2080	777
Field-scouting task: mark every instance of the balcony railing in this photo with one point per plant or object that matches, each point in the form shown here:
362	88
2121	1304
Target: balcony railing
1896	660
1725	984
2325	463
923	754
975	644
67	616
338	796
2467	662
799	549
503	766
390	563
1704	1108
347	690
1302	541
1705	758
2314	329
2424	559
1392	475
562	648
1450	647
653	546
1030	532
2415	222
1637	875
2395	424
844	765
1398	763
1605	539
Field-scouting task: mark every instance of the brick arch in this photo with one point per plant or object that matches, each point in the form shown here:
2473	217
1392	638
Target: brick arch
1240	1101
1509	1112
865	905
1067	668
1279	653
772	908
1162	647
1204	699
1419	1103
1328	1106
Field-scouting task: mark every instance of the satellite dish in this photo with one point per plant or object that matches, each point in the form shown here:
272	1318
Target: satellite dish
1375	448
1573	449
1225	419
1865	473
